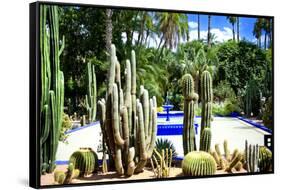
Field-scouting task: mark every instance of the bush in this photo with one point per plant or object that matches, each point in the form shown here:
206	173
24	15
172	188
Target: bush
267	114
66	125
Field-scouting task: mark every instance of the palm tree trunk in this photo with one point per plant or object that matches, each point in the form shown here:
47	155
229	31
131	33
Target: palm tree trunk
198	27
233	32
238	32
209	31
108	30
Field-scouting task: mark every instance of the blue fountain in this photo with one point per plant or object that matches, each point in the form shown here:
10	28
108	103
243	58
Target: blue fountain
167	107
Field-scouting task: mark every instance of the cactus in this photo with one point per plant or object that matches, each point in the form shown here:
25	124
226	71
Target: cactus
207	98
265	159
234	162
162	169
66	177
198	163
91	97
251	157
226	150
206	140
86	160
238	166
128	124
217	148
188	129
52	86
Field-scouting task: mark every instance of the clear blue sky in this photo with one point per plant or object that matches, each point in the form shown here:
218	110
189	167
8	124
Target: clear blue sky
221	27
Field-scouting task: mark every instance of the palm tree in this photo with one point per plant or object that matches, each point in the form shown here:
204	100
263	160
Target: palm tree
198	27
238	30
209	31
232	20
146	26
257	31
267	29
173	27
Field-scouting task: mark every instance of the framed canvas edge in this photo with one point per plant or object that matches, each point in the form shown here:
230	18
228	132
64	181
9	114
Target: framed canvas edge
34	94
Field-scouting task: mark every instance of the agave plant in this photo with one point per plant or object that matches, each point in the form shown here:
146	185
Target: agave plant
165	144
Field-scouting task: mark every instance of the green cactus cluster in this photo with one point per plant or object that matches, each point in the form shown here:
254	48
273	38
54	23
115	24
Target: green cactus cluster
91	97
206	98
251	157
199	163
162	161
129	125
52	86
190	97
85	160
226	161
61	177
265	159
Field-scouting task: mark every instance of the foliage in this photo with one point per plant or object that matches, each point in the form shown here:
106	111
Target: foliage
165	144
66	125
267	114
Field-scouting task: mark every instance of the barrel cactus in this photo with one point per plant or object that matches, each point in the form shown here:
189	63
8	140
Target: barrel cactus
66	177
265	159
86	160
198	163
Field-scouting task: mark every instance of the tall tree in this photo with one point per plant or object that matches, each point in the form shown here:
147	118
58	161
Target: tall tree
232	20
209	31
108	29
257	31
173	27
198	27
267	30
238	29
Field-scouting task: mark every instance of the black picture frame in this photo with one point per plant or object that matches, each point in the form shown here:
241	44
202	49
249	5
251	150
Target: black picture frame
35	94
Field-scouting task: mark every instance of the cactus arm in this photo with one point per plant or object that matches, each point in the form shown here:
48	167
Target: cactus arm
131	164
115	113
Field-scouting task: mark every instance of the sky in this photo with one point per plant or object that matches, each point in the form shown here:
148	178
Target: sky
221	27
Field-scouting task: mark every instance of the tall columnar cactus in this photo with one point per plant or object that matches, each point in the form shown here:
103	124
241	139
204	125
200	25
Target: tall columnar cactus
52	86
198	163
207	98
91	97
206	140
251	157
188	128
86	160
128	124
265	159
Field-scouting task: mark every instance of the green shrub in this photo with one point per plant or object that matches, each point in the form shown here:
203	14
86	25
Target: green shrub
267	113
66	125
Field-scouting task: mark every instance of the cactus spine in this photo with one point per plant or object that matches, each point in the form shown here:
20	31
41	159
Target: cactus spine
128	124
52	91
86	160
91	97
207	98
188	129
198	163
